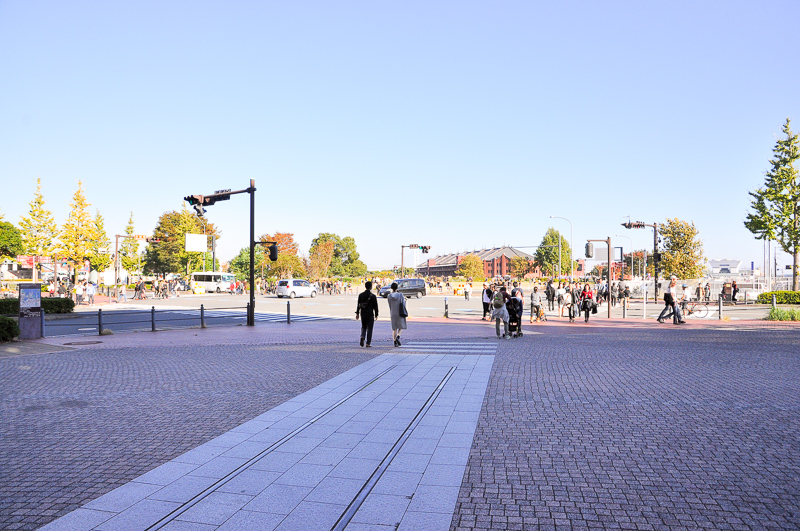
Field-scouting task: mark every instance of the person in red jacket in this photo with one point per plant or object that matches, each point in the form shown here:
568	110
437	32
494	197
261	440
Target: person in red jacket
587	301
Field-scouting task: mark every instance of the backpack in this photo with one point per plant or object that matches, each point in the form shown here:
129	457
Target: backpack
498	300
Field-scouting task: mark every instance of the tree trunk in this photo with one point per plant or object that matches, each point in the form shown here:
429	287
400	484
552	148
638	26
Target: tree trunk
795	259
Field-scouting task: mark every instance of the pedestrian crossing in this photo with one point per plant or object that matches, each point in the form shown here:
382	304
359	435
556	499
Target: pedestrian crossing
449	347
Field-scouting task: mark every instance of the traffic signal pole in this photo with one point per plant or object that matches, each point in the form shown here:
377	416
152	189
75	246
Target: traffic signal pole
251	316
610	267
656	255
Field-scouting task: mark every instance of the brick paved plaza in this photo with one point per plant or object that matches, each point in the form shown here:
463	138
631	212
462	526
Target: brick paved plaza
611	425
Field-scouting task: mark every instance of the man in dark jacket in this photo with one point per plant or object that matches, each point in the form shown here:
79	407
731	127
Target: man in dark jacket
367	308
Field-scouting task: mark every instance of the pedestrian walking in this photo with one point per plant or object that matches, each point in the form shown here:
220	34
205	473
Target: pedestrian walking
467	291
560	292
367	309
536	304
397	313
734	292
550	292
500	312
626	298
123	293
671	308
587	301
568	304
79	293
90	292
486	297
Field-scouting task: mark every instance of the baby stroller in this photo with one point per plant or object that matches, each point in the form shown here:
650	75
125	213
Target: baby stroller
514	324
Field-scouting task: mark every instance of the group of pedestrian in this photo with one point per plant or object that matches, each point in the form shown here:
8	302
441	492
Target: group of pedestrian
367	311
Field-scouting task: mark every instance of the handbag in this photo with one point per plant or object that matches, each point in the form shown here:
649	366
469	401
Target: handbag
594	308
403	311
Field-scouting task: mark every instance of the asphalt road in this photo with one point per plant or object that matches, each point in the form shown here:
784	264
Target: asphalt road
226	309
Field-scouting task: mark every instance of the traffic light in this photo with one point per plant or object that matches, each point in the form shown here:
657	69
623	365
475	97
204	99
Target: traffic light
273	252
656	258
197	201
153	240
634	225
589	250
425	248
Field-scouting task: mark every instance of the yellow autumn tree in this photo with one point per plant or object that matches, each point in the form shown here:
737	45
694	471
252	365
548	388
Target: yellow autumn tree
78	231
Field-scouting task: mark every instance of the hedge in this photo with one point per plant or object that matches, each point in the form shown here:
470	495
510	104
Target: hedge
779	314
50	305
8	329
781	297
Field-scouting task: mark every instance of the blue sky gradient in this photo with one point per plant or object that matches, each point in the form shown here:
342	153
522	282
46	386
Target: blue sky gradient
459	125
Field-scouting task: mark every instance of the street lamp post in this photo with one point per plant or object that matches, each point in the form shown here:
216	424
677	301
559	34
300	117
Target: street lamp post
571	248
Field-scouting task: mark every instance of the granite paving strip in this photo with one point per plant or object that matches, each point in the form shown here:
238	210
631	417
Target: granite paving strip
282	470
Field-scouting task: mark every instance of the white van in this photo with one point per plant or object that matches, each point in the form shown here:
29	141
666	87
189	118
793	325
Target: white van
212	281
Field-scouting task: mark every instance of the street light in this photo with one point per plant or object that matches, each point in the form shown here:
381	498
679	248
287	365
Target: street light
631	240
571	263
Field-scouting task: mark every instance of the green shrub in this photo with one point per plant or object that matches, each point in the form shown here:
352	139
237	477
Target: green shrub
781	297
50	305
57	305
9	306
779	314
8	329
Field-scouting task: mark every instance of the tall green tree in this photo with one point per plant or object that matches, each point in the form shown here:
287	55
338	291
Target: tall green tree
78	230
546	256
345	260
471	266
775	208
169	255
520	266
39	229
683	250
129	248
99	247
10	241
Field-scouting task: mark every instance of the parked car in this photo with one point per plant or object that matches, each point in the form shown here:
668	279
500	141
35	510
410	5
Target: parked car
406	286
293	287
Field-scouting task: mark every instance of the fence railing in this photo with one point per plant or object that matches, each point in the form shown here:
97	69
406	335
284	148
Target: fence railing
120	321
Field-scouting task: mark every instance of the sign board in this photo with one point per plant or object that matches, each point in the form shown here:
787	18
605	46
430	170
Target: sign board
30	311
196	243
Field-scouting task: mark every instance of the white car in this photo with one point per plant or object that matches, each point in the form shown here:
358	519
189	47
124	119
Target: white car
293	287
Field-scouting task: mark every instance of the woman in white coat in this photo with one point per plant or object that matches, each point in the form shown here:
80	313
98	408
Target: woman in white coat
396	302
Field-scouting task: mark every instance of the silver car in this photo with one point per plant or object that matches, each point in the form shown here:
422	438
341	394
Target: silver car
293	287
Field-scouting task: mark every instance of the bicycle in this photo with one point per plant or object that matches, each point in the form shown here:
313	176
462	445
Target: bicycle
695	309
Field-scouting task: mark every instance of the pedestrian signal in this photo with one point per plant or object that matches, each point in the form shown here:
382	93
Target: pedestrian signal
273	252
589	250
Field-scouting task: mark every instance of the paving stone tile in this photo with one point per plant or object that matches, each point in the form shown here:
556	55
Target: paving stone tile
140	516
250	482
445	475
183	489
166	473
218	468
122	497
215	508
435	499
277	461
320	515
338	491
304	475
79	520
250	521
352	468
278	499
413	521
398	483
383	509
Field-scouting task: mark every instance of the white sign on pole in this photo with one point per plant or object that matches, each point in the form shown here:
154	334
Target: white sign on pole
196	243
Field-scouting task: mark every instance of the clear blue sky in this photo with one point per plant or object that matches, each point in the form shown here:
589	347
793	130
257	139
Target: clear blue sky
459	125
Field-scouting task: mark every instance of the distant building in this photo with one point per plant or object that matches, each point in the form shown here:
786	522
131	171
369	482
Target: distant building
496	263
724	267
